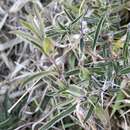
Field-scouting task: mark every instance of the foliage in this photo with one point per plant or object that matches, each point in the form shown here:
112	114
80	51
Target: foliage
75	71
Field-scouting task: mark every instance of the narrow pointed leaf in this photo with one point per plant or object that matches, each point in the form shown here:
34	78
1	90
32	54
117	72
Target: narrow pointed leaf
125	70
68	15
58	117
37	75
98	30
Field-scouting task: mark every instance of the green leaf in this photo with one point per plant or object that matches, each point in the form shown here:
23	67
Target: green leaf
71	61
56	31
58	117
37	76
40	21
93	103
98	30
8	122
72	72
125	70
28	37
81	45
76	20
119	97
75	90
68	15
69	125
102	115
90	111
125	51
48	45
125	47
97	70
29	26
84	73
62	26
6	104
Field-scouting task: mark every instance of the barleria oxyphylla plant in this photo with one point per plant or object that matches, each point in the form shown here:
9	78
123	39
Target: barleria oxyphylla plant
78	74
